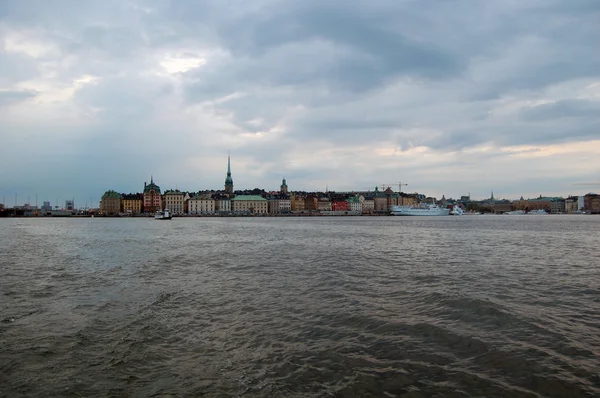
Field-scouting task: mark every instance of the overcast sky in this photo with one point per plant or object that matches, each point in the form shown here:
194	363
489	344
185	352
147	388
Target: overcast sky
449	96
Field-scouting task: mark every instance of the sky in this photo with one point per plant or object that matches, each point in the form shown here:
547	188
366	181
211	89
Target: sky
450	97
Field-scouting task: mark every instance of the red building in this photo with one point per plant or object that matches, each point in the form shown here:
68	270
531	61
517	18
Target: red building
340	206
152	197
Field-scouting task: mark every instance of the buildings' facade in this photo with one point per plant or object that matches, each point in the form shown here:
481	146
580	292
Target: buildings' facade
175	202
297	203
228	179
550	205
201	204
152	197
310	203
324	204
280	204
110	203
132	203
354	204
249	204
591	203
368	205
340	205
557	206
222	203
571	205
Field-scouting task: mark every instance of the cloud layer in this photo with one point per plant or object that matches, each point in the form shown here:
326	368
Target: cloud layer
449	96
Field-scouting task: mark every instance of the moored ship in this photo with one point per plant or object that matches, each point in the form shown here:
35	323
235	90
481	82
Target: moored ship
163	215
430	210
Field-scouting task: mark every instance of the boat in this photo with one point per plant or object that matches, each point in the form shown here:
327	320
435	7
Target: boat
457	211
515	212
538	211
429	210
163	215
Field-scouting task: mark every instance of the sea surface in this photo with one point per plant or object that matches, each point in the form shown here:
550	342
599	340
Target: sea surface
473	306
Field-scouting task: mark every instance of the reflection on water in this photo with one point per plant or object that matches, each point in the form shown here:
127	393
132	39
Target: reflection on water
465	306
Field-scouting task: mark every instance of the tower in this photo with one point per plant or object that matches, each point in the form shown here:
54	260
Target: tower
228	179
284	187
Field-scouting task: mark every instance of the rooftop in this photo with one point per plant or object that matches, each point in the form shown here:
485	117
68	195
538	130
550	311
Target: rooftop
248	198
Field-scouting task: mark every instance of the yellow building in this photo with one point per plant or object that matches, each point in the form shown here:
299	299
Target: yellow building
132	203
110	203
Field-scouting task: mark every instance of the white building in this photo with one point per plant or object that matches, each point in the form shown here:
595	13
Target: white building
223	204
175	201
201	204
354	204
280	204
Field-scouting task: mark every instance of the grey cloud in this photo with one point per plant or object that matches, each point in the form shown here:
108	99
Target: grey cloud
8	97
562	109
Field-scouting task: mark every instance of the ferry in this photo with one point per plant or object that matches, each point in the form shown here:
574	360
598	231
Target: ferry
430	210
163	215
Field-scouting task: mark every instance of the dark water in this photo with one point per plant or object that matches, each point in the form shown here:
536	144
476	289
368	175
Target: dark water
351	307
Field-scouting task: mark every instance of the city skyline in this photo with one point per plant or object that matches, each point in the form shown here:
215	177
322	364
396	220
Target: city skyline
229	187
449	98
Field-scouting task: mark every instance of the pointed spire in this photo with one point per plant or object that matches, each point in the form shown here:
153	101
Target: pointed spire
229	164
151	179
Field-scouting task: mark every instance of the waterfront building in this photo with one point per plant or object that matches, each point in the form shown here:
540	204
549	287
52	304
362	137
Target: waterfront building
228	179
324	204
571	205
557	206
46	206
152	197
408	199
355	204
279	204
368	205
175	202
284	188
310	203
340	205
110	204
201	204
591	203
381	203
550	205
222	203
297	202
249	204
70	205
132	203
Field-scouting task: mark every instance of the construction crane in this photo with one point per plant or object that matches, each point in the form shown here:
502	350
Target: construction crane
400	185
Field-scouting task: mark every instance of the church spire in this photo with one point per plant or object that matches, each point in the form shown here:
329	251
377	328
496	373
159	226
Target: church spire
228	179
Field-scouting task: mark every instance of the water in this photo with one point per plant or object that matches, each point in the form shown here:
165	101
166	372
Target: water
349	307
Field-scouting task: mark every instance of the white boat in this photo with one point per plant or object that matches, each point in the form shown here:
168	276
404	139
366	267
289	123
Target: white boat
457	211
429	210
162	215
515	212
538	211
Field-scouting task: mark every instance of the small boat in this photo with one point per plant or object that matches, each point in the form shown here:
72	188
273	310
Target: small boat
163	215
515	213
538	211
457	211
